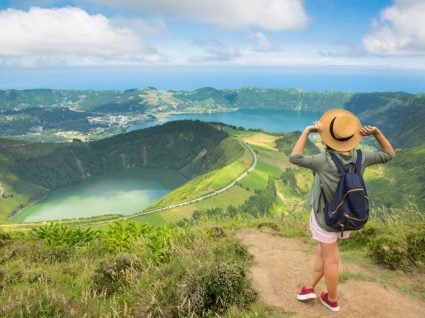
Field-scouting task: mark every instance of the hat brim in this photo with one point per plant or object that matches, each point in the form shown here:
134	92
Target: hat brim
333	143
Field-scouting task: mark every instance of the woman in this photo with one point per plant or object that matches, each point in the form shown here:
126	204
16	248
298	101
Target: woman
341	132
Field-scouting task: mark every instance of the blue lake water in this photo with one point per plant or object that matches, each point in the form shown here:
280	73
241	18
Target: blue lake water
267	119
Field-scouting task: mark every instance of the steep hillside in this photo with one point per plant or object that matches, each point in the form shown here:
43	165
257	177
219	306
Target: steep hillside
399	115
33	119
288	140
30	170
400	182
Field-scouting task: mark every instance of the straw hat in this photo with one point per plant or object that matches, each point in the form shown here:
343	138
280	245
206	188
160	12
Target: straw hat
341	129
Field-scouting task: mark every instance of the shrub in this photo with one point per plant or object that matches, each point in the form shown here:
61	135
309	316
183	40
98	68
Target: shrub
389	250
55	234
232	249
36	251
112	275
121	235
37	276
52	254
4	237
270	225
416	247
365	235
362	237
216	232
213	290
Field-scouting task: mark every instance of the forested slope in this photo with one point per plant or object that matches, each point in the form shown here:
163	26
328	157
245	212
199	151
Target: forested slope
31	169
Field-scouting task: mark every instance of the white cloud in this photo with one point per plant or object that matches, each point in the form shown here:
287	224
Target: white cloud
67	35
151	28
265	14
262	43
400	30
342	51
216	51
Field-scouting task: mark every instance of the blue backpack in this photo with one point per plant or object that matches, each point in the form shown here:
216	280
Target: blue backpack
349	210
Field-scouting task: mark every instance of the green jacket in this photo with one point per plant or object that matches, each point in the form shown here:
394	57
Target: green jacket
326	175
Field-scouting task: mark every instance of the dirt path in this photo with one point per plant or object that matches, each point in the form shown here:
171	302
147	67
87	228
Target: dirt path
282	264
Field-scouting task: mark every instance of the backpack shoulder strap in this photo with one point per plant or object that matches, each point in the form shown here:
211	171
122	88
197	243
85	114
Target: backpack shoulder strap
338	163
359	161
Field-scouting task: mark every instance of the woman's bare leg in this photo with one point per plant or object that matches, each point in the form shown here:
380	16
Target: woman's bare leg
317	270
330	255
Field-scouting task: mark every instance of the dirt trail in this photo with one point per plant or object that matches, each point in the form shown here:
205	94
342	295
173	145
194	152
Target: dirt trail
282	264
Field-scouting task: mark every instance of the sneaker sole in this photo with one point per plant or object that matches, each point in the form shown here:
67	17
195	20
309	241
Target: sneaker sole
306	296
334	309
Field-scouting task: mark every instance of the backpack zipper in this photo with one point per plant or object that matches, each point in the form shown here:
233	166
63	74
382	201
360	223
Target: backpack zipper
353	218
342	201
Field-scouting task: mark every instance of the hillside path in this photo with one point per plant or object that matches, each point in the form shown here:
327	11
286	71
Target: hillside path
283	264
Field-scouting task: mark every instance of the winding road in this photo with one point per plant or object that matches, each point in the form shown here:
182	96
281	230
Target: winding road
231	184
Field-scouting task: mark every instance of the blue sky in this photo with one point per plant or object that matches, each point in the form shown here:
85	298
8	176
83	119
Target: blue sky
219	39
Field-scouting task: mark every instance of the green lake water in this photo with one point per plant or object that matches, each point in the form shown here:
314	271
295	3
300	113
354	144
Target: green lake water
116	192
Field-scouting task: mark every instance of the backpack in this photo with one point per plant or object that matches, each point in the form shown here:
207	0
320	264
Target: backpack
349	210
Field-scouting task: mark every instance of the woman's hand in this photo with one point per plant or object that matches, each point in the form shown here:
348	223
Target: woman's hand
369	130
317	127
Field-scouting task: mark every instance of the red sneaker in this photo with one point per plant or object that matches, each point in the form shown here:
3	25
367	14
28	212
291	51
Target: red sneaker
306	294
332	305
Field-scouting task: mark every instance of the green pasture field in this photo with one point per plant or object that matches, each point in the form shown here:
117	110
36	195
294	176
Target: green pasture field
203	184
236	195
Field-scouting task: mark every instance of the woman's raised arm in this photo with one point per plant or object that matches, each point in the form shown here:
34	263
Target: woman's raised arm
298	149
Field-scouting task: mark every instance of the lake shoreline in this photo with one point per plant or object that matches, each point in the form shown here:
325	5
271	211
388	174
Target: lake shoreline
268	119
115	192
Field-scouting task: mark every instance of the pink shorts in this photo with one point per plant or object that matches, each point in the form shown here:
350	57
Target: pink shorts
323	236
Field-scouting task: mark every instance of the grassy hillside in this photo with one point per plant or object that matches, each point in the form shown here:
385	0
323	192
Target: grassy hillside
30	170
400	182
195	268
193	264
287	142
399	115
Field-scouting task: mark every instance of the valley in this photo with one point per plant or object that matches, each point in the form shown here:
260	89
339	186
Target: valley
236	202
31	170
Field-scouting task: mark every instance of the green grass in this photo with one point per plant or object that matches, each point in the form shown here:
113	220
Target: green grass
270	163
203	184
17	193
239	133
234	196
124	274
257	179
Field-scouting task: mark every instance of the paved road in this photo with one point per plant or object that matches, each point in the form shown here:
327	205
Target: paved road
231	184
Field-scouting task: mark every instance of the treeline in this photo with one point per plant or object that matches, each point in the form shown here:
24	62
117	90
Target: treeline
20	122
173	145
